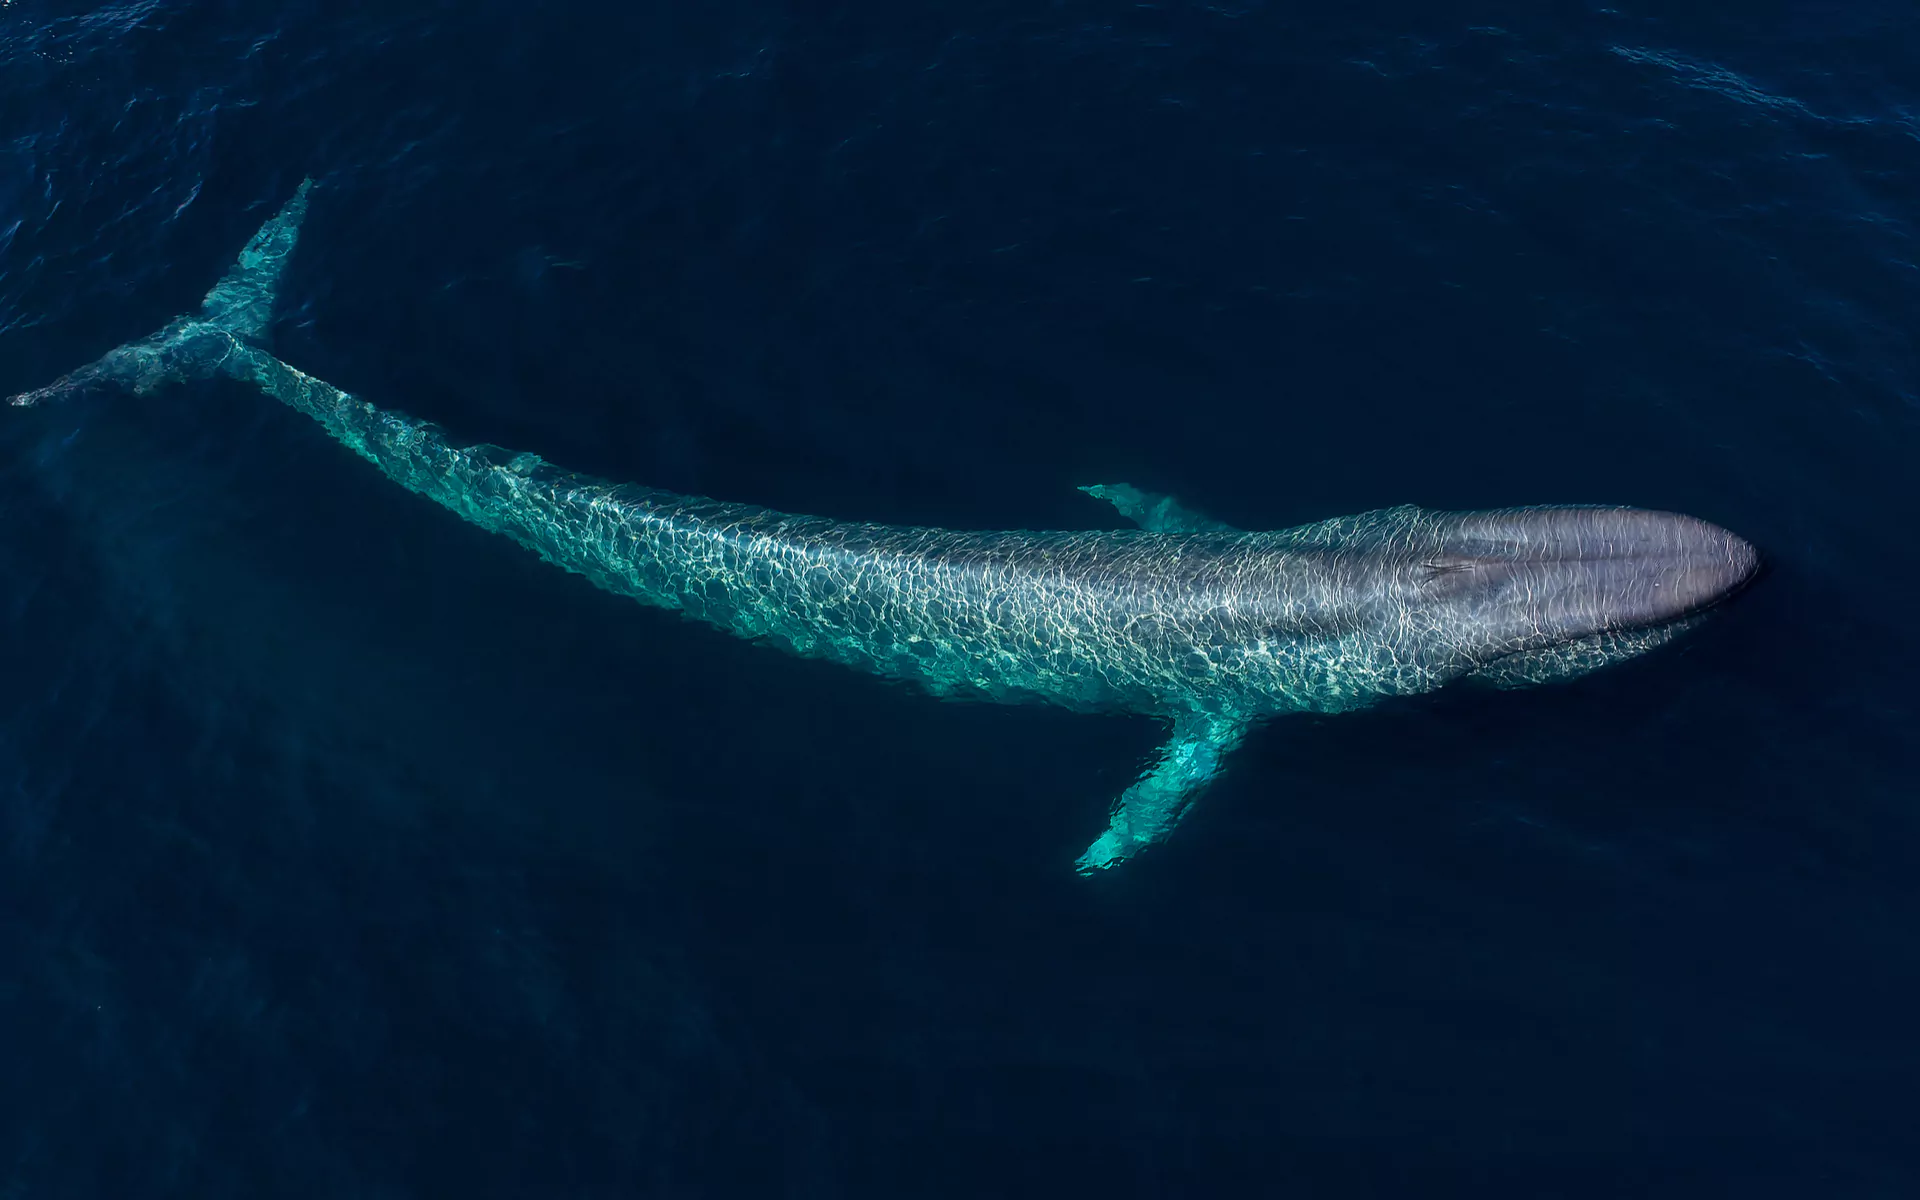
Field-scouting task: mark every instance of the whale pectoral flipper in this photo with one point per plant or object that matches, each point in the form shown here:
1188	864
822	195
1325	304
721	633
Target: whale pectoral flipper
1147	812
1154	512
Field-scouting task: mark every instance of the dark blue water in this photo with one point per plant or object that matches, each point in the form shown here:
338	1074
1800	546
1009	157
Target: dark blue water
347	852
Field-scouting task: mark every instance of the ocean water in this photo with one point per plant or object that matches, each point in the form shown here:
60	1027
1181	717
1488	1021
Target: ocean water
347	852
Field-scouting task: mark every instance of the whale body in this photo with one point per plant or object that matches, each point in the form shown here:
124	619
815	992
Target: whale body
1184	618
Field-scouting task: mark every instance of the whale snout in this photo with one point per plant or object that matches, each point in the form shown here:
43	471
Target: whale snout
1669	566
1726	566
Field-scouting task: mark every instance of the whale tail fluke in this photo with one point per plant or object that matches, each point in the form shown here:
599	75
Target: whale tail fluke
239	308
242	302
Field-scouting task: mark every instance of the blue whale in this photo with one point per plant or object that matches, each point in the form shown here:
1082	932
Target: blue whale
1210	628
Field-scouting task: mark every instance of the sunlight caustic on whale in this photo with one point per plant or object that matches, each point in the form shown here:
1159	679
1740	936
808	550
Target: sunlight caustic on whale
1210	628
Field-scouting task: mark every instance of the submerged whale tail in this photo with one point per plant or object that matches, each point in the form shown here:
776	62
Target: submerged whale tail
239	309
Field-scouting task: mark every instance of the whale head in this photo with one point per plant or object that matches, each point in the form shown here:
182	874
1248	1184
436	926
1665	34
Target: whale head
1487	586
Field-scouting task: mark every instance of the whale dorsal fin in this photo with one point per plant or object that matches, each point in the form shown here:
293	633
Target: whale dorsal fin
1154	512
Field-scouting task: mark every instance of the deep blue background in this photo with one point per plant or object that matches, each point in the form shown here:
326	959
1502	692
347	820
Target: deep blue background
347	852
